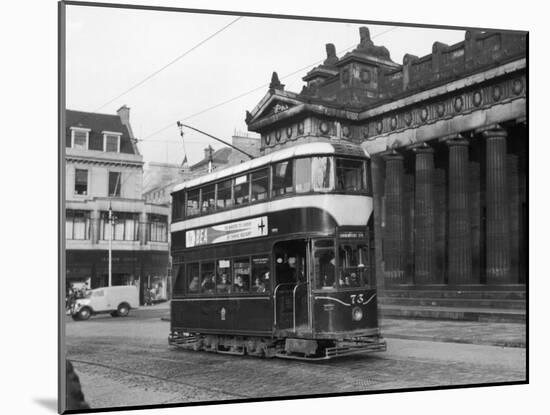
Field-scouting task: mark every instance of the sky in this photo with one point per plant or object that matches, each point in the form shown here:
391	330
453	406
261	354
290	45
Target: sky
225	58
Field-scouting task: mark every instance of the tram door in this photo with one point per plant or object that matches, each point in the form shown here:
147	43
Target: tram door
291	288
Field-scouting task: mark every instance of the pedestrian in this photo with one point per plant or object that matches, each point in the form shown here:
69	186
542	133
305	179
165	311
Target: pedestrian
75	396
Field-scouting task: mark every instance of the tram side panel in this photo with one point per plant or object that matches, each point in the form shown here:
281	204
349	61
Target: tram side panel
349	312
223	315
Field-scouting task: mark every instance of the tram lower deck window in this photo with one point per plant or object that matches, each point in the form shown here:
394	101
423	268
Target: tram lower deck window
223	277
193	278
260	274
208	280
179	282
241	275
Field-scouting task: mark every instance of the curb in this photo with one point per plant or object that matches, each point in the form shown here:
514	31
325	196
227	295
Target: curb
518	344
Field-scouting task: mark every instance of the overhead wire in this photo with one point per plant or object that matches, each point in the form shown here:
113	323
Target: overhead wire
156	72
256	89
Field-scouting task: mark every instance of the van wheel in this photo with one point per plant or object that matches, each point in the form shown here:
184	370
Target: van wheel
123	309
84	314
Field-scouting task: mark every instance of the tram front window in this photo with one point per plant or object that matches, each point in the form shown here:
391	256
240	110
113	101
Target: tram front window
350	175
353	265
325	264
322	175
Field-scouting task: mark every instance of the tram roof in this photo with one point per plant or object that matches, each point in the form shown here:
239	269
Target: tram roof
283	154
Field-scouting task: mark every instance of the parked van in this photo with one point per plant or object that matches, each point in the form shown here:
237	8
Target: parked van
117	300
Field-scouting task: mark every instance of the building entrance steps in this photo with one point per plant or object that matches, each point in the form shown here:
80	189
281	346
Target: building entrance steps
454	302
468	303
453	313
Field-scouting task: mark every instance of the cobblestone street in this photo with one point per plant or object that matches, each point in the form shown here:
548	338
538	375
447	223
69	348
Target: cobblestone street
127	362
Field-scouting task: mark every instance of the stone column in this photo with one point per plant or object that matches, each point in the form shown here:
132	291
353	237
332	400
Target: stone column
474	195
394	235
498	233
424	218
441	220
143	228
94	224
377	171
459	240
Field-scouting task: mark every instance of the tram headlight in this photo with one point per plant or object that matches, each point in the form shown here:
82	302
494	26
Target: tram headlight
356	314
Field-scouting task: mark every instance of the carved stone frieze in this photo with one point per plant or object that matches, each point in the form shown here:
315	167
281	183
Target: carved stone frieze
461	102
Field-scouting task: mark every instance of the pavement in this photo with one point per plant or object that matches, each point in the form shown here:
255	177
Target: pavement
468	332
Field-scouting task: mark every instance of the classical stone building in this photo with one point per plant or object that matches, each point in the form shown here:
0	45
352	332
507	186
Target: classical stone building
447	134
103	168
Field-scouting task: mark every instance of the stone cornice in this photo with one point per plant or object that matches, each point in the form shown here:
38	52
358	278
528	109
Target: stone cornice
446	88
418	108
102	158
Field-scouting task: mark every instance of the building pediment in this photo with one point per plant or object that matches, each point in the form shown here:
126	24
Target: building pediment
273	104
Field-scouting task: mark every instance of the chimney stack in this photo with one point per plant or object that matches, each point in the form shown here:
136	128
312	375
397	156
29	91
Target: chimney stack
124	114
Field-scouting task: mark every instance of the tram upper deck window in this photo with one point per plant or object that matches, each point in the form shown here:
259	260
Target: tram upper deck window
193	202
350	175
223	280
241	273
282	178
353	261
260	184
303	175
179	283
178	205
322	174
241	190
225	199
208	198
208	277
193	278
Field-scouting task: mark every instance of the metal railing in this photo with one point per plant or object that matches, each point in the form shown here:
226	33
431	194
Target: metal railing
275	300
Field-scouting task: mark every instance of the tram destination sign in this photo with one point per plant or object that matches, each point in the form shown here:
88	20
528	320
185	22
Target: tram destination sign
226	232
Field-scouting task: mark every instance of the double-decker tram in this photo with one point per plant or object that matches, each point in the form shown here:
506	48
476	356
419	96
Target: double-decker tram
274	257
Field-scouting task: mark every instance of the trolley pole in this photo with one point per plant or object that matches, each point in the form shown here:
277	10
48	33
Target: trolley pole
210	159
110	245
181	125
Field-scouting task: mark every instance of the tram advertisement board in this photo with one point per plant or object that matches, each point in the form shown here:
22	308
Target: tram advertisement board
226	232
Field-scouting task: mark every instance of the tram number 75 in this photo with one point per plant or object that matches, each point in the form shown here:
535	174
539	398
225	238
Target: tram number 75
357	298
